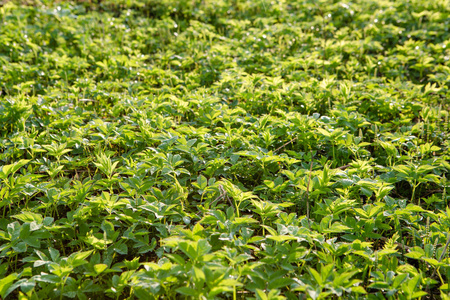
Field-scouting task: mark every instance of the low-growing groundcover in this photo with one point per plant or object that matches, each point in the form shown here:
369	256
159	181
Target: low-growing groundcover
242	149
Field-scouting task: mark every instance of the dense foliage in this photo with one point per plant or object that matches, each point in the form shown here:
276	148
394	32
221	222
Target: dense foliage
217	149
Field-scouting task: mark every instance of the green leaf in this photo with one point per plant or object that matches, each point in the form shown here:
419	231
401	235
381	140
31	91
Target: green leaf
399	279
202	182
28	217
419	294
176	258
32	241
280	282
260	295
379	285
416	253
358	290
54	254
121	248
410	285
198	277
187	291
7	170
203	247
281	238
78	259
317	277
49	278
99	268
6	282
219	289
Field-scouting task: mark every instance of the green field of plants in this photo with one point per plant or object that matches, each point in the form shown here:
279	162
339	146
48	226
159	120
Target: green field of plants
225	149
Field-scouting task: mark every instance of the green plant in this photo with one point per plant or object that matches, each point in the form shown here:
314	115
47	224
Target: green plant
224	149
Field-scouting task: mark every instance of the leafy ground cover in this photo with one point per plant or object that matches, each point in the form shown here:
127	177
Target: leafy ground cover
224	149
